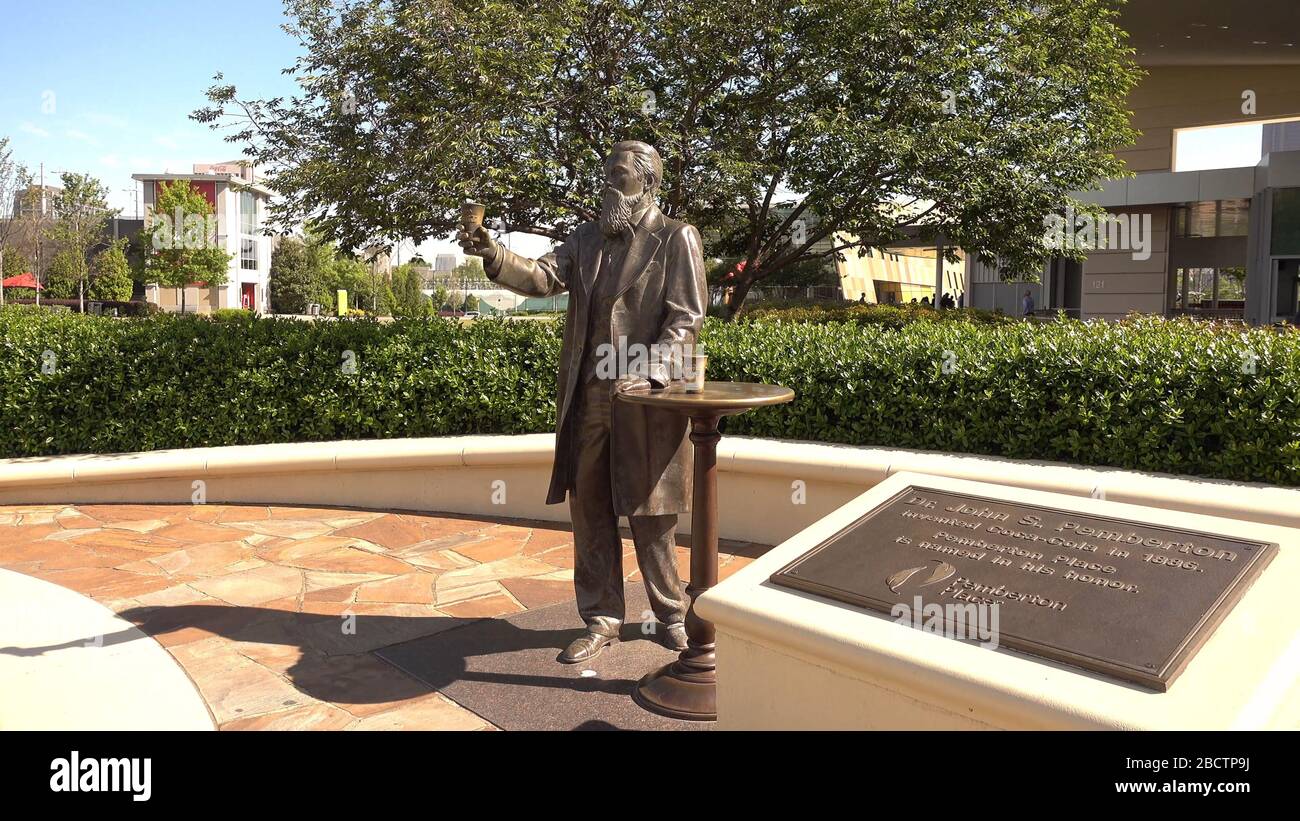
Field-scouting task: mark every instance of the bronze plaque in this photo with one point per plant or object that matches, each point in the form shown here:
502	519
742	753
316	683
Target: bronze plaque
1129	600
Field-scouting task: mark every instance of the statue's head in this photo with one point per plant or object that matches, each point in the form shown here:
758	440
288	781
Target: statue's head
633	173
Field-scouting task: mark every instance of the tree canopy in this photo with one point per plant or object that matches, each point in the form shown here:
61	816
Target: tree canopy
112	273
783	123
181	246
81	213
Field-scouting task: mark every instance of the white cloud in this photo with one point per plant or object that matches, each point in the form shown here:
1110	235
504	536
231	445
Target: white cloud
155	165
32	128
81	136
108	120
167	142
111	161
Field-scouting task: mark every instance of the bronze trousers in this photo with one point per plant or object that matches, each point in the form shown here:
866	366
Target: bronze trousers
598	547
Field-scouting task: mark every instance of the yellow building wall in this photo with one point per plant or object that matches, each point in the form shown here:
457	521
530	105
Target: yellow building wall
197	300
907	277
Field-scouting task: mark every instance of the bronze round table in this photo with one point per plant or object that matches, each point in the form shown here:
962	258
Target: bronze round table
687	688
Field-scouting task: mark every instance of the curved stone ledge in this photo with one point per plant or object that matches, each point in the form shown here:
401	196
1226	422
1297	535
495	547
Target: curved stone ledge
69	663
761	498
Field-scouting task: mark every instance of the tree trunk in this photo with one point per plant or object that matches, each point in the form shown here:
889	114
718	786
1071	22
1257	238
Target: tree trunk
735	301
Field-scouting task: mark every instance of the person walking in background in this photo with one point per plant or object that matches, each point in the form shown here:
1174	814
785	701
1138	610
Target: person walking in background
1027	304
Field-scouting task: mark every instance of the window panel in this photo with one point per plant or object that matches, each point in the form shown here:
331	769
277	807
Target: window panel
247	212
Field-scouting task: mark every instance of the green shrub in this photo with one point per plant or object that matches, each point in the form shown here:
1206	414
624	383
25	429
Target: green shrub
172	381
112	274
233	315
1147	394
891	316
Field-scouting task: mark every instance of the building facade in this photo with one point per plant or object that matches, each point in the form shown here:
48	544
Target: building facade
1220	242
239	203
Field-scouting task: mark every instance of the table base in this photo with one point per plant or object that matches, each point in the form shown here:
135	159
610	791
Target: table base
679	691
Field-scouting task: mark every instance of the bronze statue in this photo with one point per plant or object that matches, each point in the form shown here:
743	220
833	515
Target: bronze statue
636	281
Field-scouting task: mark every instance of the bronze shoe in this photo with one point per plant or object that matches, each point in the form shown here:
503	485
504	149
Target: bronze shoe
585	648
675	637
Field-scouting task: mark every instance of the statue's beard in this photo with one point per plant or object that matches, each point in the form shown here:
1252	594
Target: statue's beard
617	209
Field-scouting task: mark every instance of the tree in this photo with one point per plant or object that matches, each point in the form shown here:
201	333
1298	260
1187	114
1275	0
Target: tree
112	274
63	276
15	263
293	282
181	234
347	273
470	269
13	181
408	300
81	213
783	123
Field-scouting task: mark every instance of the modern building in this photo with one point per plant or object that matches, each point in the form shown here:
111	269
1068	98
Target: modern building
239	203
896	275
1281	137
36	199
1218	241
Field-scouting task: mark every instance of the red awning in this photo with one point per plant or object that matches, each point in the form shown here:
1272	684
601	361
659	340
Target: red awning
27	280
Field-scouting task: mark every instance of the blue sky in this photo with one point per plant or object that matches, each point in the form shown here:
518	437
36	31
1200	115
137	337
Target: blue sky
107	87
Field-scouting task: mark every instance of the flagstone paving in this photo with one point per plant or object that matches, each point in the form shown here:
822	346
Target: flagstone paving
275	612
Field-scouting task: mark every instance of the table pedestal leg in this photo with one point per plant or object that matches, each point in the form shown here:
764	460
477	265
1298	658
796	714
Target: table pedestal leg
687	688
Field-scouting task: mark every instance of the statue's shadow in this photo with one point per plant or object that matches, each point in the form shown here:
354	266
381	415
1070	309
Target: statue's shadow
336	661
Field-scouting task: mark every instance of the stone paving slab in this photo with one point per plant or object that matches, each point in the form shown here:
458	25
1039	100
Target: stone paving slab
277	613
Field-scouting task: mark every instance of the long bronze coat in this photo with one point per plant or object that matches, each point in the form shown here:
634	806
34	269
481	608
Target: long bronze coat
659	298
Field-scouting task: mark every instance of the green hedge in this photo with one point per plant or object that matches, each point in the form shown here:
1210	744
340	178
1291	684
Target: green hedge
173	382
1148	394
890	316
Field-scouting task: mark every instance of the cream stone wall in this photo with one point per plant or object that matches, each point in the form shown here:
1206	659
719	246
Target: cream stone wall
1172	97
1114	283
791	660
768	490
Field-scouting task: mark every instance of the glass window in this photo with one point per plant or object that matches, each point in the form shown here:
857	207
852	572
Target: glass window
1234	218
248	254
247	212
1217	291
1222	218
1286	222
